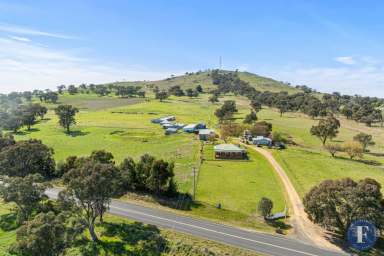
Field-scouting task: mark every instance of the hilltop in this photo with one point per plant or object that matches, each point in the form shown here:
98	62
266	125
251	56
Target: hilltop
192	79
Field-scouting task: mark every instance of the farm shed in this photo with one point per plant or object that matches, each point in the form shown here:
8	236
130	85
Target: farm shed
261	140
205	134
229	151
163	119
194	127
170	131
190	128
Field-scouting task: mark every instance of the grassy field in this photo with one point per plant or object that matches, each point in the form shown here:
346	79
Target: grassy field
7	228
127	130
120	236
308	163
238	185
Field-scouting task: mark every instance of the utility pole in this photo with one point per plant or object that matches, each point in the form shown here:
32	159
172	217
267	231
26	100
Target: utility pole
194	183
220	63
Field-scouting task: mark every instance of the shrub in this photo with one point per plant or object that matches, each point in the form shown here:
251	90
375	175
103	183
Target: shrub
333	148
265	207
354	149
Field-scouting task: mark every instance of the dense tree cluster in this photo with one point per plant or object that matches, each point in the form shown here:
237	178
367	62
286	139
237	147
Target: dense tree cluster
366	110
104	89
226	111
232	129
47	96
22	114
25	157
334	204
26	192
146	175
176	90
128	91
90	182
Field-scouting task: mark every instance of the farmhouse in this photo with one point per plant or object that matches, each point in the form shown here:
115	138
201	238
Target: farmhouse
205	134
229	151
262	141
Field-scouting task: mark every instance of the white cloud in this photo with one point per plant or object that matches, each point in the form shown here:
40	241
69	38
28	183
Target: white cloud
19	38
27	66
348	60
30	31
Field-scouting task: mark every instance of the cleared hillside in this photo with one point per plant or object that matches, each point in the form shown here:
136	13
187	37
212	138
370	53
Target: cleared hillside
191	80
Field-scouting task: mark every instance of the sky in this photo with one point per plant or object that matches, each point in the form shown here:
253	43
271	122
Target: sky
327	45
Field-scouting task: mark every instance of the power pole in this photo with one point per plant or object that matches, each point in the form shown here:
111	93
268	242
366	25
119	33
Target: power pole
194	183
220	63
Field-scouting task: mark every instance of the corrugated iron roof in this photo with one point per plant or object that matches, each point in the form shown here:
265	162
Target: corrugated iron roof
228	148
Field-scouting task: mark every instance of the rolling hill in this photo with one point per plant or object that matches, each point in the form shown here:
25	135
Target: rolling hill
191	80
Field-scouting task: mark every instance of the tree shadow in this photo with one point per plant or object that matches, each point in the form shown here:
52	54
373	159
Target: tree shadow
20	133
8	222
142	239
339	141
32	130
117	132
180	201
370	162
364	161
279	224
378	154
77	133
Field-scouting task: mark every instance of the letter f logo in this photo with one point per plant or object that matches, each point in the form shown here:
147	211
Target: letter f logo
362	232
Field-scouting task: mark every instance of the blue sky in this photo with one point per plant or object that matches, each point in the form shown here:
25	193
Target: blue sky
328	45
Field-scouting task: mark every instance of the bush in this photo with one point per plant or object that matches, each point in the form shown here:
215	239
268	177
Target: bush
333	148
265	207
354	149
279	137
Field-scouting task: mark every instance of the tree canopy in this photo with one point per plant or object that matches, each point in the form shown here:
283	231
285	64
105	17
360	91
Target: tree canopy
66	115
92	184
25	192
27	157
326	129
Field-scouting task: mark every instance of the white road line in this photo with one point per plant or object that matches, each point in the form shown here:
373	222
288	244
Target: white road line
213	231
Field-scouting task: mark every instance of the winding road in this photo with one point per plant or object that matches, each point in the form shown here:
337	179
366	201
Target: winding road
267	244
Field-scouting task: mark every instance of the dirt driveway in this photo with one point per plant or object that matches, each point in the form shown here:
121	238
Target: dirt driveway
304	228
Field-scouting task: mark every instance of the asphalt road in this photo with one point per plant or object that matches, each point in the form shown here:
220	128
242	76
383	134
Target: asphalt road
263	243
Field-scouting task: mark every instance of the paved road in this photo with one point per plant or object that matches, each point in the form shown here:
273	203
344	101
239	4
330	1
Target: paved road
258	242
304	228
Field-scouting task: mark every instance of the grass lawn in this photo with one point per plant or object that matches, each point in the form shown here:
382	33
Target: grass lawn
127	130
238	184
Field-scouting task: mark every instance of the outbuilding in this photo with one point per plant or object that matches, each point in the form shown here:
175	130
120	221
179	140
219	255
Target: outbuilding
206	134
169	131
163	119
194	127
229	151
262	141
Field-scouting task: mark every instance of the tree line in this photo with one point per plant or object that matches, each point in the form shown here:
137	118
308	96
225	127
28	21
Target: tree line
103	90
366	110
176	90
